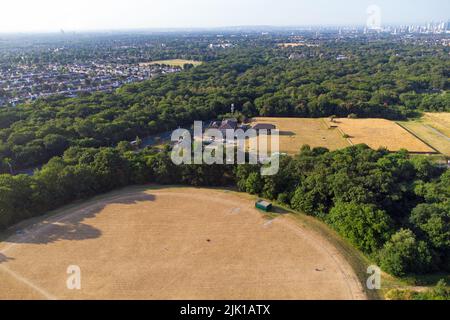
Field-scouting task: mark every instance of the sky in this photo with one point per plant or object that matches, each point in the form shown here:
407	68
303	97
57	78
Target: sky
82	15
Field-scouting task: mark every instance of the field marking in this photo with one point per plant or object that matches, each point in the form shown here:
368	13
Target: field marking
37	228
441	119
436	131
27	282
234	211
342	133
268	223
353	284
411	132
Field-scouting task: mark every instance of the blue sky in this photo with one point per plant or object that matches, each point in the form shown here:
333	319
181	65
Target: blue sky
53	15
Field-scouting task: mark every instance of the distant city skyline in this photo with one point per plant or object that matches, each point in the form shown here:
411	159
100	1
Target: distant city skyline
91	15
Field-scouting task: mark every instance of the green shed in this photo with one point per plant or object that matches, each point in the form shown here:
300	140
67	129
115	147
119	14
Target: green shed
263	205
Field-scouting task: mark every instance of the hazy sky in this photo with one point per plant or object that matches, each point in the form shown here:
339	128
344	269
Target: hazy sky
53	15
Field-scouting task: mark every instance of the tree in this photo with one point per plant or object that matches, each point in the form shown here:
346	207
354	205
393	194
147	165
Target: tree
163	169
111	169
435	191
138	142
7	162
140	173
403	254
254	183
434	221
241	173
124	146
55	144
16	196
313	195
425	169
439	292
86	182
362	224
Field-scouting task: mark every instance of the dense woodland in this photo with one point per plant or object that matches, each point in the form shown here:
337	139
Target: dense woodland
377	80
393	207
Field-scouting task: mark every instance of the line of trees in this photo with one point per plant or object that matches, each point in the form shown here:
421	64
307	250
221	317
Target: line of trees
393	207
84	172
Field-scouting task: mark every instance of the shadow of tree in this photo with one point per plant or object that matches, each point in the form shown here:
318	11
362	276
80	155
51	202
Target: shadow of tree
4	258
70	226
287	133
279	210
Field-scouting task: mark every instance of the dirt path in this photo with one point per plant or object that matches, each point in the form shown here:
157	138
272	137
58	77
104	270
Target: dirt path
180	243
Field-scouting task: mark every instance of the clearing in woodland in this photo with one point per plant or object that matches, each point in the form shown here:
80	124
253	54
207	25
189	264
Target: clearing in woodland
173	243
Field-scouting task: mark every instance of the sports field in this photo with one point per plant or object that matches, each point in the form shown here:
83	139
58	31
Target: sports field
439	120
434	129
378	133
173	243
174	62
296	132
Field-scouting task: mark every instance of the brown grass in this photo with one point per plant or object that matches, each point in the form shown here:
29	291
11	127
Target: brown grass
427	133
440	121
378	133
173	243
296	132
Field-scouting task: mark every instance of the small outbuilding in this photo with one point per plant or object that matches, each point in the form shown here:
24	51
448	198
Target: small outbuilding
263	205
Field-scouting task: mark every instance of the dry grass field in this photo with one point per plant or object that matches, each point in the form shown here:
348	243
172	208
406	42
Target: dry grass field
434	129
430	135
296	132
173	243
440	121
174	62
378	133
